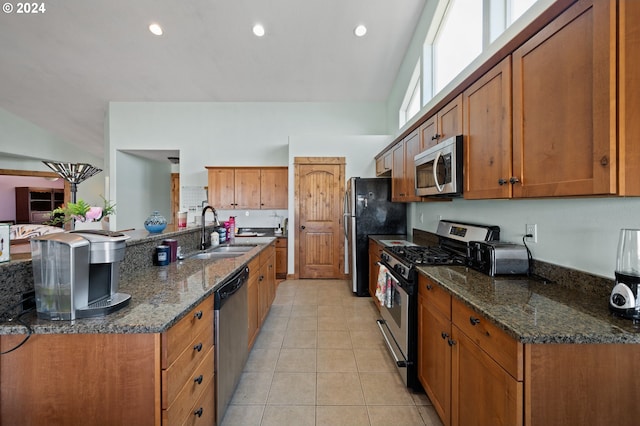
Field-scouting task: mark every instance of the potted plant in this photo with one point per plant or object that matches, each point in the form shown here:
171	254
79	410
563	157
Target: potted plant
82	213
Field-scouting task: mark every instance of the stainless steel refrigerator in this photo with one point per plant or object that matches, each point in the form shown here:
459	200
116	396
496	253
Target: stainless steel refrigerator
368	210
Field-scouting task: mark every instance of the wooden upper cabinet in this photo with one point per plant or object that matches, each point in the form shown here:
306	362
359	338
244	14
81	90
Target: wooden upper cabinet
628	99
403	173
274	184
384	164
564	87
221	187
249	188
445	124
487	129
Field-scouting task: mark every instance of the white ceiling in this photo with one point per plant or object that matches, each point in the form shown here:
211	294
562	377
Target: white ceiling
59	69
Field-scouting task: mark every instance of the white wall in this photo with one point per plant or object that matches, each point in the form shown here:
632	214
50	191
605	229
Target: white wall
146	189
228	134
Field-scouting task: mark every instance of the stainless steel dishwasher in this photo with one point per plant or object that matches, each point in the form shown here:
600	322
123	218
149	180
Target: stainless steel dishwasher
231	337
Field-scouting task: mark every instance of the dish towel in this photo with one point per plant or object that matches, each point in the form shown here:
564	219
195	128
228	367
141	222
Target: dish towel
383	288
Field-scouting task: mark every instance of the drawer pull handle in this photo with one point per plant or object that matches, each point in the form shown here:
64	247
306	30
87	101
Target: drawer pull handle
198	315
198	379
198	412
198	347
444	335
474	320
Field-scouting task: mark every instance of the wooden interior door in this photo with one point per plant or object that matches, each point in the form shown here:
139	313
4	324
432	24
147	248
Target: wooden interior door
319	234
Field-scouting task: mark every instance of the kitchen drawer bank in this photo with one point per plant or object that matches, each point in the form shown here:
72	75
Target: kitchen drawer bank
538	354
149	364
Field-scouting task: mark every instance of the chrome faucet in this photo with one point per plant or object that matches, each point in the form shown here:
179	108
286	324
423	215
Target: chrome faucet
203	237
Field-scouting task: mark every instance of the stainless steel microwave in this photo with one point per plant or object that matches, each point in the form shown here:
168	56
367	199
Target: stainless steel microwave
439	169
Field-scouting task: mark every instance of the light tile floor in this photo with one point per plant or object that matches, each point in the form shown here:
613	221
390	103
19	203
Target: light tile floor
321	360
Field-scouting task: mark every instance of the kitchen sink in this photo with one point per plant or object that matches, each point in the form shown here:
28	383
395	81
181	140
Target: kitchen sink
221	252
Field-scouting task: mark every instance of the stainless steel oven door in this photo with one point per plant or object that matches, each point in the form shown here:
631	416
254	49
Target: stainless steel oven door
394	325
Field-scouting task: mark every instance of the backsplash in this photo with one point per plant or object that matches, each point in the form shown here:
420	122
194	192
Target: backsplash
582	282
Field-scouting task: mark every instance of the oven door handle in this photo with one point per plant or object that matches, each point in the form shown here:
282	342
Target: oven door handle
399	363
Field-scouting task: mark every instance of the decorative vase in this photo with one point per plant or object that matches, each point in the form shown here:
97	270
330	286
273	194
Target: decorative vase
155	223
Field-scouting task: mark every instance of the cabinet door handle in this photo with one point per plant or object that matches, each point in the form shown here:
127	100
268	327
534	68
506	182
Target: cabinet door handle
502	181
444	335
451	342
434	137
303	227
514	180
474	320
429	287
198	347
198	412
198	379
198	315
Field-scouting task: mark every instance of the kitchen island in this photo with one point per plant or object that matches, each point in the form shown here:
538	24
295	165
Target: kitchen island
149	363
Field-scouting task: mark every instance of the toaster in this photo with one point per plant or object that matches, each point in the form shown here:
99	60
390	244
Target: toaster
499	258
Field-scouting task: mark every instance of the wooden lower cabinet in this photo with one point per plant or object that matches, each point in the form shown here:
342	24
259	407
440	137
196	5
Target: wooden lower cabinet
434	354
112	379
589	384
467	377
253	300
484	393
281	258
76	379
262	289
266	282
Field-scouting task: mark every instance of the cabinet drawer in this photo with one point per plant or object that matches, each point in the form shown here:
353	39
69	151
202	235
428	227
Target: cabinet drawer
176	339
192	389
203	413
281	242
174	377
505	350
435	295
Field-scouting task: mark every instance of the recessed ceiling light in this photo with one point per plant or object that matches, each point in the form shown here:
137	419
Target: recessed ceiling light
360	30
155	29
258	30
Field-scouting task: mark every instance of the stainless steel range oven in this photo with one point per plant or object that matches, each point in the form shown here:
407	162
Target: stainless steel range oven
399	320
398	292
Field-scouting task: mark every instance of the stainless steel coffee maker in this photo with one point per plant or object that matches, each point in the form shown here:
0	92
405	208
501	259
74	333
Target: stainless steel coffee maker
625	298
76	274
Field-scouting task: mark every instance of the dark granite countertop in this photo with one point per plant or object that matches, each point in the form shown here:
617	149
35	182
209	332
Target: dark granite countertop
533	311
160	296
